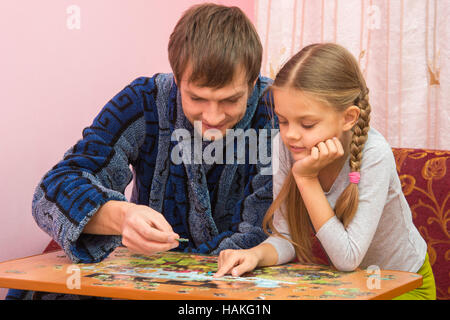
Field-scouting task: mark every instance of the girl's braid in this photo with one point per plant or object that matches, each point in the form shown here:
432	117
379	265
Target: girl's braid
360	130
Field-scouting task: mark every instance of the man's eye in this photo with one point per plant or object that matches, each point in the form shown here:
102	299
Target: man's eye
230	101
197	99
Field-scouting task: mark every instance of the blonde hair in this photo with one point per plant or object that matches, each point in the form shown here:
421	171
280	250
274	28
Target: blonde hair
332	75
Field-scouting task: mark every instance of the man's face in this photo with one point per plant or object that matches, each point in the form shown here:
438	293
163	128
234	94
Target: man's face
218	109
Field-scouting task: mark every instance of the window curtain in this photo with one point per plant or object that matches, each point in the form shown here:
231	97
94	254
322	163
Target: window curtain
402	47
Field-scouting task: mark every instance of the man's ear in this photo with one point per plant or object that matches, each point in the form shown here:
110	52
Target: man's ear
350	116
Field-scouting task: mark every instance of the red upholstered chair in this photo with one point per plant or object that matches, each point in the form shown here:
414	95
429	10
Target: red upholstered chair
426	185
52	246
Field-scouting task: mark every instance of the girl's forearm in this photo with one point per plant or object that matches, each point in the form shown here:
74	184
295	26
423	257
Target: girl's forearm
266	253
319	209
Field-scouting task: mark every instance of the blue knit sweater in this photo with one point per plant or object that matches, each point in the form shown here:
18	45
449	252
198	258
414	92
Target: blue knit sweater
217	208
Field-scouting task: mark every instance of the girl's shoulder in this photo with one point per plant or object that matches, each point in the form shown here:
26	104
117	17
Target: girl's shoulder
282	160
377	150
376	142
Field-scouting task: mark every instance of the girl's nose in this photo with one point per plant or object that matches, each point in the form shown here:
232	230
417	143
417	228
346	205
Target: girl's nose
293	133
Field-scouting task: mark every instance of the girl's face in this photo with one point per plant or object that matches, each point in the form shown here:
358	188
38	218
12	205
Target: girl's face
305	121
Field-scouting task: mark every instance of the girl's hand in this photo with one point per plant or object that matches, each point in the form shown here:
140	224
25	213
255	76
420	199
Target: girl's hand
236	262
322	155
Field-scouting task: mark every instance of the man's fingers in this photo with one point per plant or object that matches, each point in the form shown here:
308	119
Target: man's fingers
150	216
160	222
152	246
140	245
152	234
136	242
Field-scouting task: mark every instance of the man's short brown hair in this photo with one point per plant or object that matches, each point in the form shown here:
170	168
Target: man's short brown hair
215	40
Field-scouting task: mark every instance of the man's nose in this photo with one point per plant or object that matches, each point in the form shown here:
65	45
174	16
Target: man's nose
213	115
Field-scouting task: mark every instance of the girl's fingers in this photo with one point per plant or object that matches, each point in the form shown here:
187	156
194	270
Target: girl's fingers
226	264
221	271
332	148
219	261
241	269
323	149
315	153
339	146
321	155
224	269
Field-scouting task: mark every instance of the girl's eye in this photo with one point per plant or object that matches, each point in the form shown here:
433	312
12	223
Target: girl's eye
309	126
282	122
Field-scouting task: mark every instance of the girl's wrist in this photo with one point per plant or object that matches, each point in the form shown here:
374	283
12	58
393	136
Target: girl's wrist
306	182
258	253
301	180
265	254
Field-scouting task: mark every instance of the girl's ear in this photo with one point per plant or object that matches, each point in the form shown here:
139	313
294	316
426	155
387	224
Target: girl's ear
350	116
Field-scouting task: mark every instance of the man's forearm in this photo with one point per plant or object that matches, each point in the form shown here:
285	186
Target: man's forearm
108	219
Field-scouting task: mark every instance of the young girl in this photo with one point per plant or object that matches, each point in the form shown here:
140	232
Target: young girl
337	176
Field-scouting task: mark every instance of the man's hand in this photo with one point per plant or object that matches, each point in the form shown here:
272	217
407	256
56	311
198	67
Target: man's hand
321	156
146	231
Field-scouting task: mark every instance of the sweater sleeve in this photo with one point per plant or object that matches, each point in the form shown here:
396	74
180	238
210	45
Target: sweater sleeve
346	247
285	249
95	170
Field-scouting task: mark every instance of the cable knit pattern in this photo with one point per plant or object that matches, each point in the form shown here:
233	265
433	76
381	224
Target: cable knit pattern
135	128
217	210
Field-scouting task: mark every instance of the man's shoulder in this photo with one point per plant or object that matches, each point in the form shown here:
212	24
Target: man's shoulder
160	81
265	80
262	84
261	99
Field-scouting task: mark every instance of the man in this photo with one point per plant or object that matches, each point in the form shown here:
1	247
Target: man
215	55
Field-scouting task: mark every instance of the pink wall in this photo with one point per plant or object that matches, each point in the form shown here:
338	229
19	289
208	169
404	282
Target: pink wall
54	81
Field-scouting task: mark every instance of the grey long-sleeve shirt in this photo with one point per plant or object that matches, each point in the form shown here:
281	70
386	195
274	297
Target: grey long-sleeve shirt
381	233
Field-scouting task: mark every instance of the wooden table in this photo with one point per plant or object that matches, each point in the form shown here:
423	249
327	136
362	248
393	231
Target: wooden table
174	275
